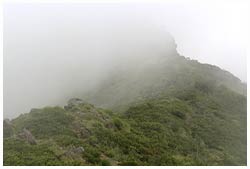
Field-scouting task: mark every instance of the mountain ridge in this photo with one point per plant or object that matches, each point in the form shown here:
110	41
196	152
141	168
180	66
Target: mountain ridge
187	68
165	110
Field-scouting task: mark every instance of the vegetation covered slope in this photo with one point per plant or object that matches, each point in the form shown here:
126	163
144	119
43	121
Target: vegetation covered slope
166	110
195	126
158	77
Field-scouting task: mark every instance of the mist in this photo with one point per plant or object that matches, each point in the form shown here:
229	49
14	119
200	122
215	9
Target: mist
53	52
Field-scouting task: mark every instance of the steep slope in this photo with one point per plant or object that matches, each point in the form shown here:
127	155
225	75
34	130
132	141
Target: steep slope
165	110
190	127
157	77
59	133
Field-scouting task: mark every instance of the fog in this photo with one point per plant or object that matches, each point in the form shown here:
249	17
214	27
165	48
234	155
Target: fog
53	52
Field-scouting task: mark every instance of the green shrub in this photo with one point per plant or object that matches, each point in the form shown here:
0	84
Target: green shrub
118	123
128	163
179	114
105	163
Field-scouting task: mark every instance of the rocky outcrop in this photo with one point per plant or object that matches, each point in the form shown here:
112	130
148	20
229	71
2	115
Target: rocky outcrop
73	102
81	131
27	136
78	150
8	129
74	152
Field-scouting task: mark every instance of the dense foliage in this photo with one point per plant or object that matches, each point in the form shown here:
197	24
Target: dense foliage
199	130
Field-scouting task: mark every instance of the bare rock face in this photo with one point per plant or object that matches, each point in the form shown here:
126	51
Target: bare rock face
8	129
27	136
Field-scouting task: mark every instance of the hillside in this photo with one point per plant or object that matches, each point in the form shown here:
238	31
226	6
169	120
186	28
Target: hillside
157	77
165	110
191	127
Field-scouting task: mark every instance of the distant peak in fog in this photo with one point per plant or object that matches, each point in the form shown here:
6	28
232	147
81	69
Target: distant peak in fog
53	52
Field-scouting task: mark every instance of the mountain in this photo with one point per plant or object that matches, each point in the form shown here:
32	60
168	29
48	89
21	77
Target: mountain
159	76
162	110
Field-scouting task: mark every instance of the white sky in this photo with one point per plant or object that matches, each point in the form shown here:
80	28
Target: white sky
210	31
